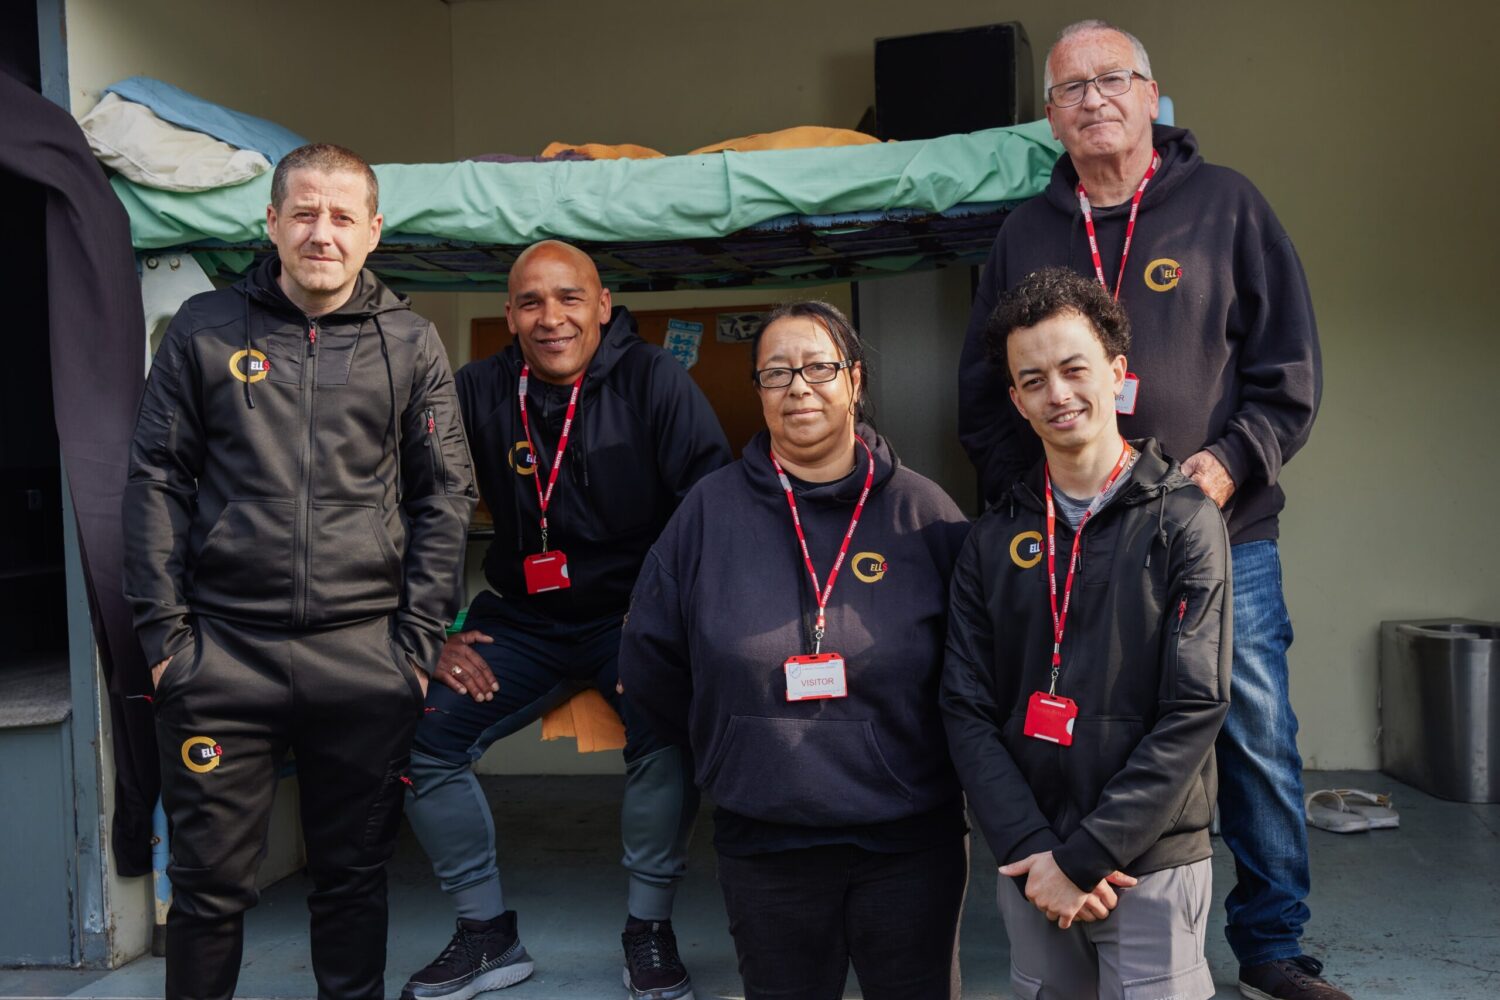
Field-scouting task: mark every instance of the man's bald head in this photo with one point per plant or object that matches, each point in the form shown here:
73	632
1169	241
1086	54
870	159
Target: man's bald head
555	249
556	307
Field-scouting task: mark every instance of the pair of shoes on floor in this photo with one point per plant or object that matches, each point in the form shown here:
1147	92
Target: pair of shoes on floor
1350	810
487	955
1299	978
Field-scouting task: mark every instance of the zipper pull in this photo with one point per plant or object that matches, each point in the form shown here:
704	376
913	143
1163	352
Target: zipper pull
1181	612
312	336
431	428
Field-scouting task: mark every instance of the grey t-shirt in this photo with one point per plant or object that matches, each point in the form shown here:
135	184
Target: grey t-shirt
1073	510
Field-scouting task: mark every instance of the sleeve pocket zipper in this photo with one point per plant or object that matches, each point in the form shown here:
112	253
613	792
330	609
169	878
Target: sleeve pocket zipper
435	451
1177	637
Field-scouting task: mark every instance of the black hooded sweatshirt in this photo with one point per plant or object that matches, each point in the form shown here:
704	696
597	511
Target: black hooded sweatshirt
1146	657
724	599
643	434
1223	336
296	472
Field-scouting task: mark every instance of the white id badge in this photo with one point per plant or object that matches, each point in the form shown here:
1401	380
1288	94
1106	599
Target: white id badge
815	676
1125	401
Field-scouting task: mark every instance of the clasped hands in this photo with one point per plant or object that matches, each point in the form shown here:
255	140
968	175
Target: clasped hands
1052	892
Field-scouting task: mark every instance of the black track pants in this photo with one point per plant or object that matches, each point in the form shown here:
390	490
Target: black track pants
228	709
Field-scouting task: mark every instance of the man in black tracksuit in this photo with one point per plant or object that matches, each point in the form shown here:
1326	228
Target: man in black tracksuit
1087	672
294	521
580	480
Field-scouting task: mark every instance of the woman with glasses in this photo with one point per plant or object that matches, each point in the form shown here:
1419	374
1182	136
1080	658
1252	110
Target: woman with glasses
788	626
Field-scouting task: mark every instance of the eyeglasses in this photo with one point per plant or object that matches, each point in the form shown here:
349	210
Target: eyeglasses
818	371
1111	84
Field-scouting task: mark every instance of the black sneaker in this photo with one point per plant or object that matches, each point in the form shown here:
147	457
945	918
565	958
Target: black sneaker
652	969
1299	978
483	955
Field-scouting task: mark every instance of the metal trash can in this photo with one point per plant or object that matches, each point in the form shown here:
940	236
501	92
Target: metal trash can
1439	704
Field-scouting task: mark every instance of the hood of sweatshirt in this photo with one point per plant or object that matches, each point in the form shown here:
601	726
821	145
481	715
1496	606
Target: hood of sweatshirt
1179	159
841	492
369	298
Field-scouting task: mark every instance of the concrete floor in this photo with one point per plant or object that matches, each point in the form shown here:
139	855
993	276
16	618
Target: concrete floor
1408	913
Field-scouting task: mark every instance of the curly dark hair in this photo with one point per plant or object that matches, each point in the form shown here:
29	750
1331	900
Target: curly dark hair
1042	295
845	340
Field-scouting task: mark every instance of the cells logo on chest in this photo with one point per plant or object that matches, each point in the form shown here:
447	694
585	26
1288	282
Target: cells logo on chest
1163	274
869	567
521	460
249	366
201	754
1026	549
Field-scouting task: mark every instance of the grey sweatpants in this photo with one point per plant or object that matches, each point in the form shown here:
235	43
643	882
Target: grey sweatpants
1149	948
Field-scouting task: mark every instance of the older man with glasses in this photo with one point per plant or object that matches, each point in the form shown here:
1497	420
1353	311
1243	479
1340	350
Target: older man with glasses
1225	373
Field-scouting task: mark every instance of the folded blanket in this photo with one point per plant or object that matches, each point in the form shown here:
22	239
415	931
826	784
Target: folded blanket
587	718
225	124
796	137
601	151
131	139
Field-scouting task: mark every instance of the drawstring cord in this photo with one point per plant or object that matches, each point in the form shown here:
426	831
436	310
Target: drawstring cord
1161	527
249	346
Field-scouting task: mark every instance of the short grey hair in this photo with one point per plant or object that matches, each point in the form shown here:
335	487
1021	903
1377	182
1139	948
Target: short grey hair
1142	60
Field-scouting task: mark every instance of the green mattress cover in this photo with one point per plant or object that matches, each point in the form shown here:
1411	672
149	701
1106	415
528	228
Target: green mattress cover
672	198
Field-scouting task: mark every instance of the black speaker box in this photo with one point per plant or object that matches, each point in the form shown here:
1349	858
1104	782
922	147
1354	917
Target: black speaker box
944	82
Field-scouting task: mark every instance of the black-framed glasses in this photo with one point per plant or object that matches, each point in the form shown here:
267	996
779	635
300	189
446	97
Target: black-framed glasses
1111	84
818	371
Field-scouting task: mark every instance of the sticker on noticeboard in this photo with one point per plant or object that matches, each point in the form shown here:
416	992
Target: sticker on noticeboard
737	328
683	338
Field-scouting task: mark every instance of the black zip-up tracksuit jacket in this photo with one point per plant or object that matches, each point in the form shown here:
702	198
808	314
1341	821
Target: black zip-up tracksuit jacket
296	472
1146	656
1222	331
642	436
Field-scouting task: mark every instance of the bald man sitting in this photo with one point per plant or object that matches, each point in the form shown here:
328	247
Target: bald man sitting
585	439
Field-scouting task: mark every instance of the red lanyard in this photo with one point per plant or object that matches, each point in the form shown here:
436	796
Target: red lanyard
1060	619
1088	224
819	629
544	499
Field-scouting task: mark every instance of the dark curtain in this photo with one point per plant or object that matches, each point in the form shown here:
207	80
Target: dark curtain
97	336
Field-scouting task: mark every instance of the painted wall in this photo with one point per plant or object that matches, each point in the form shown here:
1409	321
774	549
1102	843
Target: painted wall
375	76
1365	124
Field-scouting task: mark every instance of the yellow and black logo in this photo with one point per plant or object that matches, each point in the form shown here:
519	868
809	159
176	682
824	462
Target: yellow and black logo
1162	274
521	460
201	754
869	567
1026	549
249	366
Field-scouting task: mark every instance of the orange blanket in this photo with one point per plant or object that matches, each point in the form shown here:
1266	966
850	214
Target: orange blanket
797	137
587	718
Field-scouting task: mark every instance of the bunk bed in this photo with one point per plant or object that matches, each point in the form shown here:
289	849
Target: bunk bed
774	217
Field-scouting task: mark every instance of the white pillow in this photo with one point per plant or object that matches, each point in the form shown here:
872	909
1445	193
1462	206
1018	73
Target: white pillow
131	139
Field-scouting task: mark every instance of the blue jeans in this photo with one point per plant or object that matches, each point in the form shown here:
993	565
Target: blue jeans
1260	770
539	664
